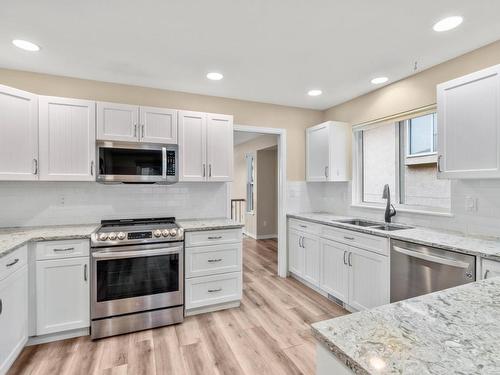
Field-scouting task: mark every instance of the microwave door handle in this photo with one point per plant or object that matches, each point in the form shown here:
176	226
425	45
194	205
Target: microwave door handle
432	258
164	163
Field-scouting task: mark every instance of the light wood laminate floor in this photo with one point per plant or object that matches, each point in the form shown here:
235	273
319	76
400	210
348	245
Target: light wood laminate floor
268	334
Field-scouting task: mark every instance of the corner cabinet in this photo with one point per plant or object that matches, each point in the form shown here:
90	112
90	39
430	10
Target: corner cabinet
18	134
328	152
468	110
205	147
130	123
66	139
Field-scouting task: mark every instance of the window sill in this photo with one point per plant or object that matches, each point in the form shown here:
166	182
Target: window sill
405	210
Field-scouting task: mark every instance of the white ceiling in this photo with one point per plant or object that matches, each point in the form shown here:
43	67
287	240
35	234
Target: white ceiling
242	137
268	50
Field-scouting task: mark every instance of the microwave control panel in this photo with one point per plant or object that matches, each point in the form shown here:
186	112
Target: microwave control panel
171	163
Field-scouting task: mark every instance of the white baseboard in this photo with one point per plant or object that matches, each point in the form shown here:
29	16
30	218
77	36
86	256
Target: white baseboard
266	236
35	340
248	234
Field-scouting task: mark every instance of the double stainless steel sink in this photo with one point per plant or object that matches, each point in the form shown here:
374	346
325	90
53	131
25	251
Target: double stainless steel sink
373	224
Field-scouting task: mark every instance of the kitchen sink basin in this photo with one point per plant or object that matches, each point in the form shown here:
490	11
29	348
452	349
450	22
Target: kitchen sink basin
390	227
359	222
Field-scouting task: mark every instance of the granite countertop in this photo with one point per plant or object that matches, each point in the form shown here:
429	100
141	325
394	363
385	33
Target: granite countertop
484	247
13	238
455	331
191	225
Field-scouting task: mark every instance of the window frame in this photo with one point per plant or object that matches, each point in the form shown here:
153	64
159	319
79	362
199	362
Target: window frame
358	171
407	125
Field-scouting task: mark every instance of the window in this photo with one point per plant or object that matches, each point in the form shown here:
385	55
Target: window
250	159
403	155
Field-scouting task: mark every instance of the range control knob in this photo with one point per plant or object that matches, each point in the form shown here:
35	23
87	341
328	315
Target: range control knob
173	232
103	237
165	233
112	236
121	236
157	233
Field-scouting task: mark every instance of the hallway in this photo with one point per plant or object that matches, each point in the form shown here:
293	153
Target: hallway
268	334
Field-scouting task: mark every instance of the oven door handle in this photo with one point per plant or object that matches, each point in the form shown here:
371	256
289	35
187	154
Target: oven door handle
135	254
432	258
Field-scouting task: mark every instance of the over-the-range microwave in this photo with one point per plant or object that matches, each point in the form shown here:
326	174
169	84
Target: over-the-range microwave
136	163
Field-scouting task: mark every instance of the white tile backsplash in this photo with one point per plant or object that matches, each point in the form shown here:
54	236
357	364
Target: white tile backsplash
336	198
56	203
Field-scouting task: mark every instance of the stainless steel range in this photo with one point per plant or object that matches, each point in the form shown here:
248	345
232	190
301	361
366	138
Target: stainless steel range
137	275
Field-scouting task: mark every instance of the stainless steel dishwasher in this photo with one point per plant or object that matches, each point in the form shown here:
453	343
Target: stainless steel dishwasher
418	270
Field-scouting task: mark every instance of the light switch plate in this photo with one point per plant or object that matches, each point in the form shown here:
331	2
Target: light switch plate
470	204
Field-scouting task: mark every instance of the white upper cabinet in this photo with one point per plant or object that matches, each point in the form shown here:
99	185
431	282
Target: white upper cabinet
220	147
67	139
117	122
205	147
130	123
158	125
328	152
469	125
18	134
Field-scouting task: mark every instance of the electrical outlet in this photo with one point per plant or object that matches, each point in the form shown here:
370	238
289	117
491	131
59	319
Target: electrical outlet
470	204
62	200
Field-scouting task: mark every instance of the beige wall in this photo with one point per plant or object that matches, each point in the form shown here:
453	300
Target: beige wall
413	92
267	192
294	120
238	186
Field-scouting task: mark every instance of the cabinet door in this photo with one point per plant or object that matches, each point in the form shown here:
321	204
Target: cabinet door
220	147
490	268
295	253
18	134
62	294
334	269
310	245
67	139
117	122
13	317
192	146
368	279
317	152
158	125
469	125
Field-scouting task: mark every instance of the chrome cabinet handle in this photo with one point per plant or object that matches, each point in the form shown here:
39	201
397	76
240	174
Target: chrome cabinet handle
35	166
85	272
135	130
15	261
214	260
486	274
1	306
210	170
92	168
204	170
349	259
214	237
349	238
65	249
345	261
142	130
439	163
326	172
214	290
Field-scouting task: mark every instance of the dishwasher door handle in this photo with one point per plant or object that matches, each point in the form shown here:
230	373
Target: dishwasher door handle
431	258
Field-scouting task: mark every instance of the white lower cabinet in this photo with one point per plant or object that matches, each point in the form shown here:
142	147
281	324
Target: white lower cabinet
213	278
62	286
13	308
357	276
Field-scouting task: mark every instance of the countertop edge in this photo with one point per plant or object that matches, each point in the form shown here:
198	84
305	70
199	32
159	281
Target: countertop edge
396	236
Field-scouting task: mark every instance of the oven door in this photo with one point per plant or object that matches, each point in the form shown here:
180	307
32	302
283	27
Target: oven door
136	278
122	162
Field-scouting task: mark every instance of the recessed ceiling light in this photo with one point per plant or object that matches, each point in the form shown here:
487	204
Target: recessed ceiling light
214	76
25	45
314	92
379	80
448	23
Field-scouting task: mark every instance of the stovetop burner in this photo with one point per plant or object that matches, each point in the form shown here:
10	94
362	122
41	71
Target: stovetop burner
122	232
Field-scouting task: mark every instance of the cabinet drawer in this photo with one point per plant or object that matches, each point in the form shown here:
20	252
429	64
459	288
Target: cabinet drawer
13	261
304	226
366	241
62	249
212	290
212	237
212	260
